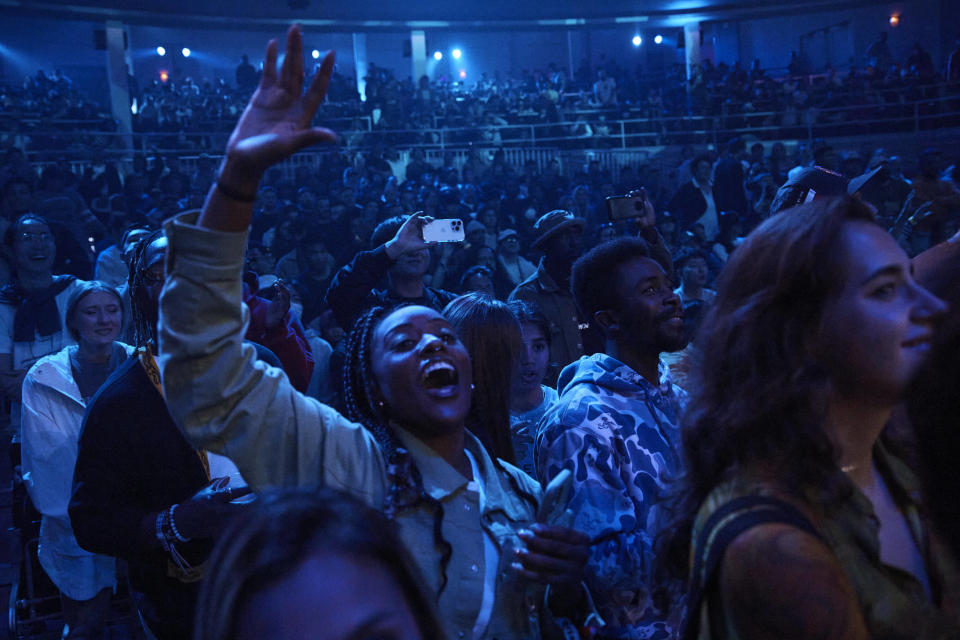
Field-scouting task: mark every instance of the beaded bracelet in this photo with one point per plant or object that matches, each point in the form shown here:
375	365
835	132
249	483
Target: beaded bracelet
173	525
161	535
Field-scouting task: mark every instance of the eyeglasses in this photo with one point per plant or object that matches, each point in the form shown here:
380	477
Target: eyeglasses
43	236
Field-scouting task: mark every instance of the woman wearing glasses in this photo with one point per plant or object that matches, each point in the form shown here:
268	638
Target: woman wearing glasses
32	308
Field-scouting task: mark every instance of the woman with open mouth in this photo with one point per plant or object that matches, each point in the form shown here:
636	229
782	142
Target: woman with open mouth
494	553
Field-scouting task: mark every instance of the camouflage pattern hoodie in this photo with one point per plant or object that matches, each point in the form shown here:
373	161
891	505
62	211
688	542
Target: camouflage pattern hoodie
618	434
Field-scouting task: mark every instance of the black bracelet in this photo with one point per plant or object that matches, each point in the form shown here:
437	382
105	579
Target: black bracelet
234	195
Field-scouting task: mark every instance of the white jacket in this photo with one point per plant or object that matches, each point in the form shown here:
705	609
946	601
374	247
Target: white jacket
53	413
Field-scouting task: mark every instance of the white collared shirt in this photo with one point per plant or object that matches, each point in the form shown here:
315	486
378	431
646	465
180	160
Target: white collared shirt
710	220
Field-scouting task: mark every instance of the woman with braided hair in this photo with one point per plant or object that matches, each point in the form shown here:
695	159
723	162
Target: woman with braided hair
475	526
140	491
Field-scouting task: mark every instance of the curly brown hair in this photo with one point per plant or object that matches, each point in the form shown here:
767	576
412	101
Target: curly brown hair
758	396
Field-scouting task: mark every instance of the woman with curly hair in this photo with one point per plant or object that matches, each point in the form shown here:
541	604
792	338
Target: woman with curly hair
797	518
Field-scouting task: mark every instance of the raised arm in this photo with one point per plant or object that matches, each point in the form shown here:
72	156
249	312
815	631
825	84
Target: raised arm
220	397
647	230
350	288
275	124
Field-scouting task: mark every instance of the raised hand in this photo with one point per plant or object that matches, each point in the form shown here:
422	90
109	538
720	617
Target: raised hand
279	305
276	122
648	219
408	238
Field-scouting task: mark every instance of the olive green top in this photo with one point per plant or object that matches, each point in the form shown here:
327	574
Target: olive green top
893	602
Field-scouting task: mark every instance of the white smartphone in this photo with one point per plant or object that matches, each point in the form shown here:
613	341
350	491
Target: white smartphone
555	498
446	230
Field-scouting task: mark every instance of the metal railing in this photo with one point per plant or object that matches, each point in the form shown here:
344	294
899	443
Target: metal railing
806	124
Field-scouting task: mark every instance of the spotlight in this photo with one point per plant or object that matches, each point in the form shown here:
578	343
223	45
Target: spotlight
186	52
437	55
637	40
463	74
457	53
161	51
895	20
315	54
658	38
164	76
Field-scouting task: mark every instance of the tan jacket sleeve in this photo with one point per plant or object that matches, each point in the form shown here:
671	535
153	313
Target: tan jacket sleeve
226	401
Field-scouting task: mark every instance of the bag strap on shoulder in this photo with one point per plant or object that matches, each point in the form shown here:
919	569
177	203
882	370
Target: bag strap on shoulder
738	516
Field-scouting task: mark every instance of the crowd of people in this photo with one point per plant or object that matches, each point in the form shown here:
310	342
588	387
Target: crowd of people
185	113
700	409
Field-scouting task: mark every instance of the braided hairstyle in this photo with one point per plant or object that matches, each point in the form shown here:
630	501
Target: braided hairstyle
142	307
363	404
360	397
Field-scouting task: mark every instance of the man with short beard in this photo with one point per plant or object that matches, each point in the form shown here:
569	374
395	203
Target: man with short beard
615	427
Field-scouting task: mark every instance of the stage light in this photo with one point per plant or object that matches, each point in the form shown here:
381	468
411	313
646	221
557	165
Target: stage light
658	38
186	52
637	40
895	20
437	55
457	53
164	76
161	51
463	74
315	54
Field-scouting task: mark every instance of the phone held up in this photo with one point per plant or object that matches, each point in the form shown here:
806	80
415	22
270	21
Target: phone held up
445	230
626	207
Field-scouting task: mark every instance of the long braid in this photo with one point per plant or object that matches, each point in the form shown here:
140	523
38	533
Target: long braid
360	398
144	326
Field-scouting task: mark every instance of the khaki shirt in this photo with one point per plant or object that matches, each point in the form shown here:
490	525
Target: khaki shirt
227	402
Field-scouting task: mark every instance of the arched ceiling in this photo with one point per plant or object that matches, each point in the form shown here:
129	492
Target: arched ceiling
427	14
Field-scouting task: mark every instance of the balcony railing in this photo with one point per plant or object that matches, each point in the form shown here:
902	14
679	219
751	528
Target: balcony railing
79	140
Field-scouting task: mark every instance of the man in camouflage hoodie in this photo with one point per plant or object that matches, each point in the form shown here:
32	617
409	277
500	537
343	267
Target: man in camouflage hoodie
615	427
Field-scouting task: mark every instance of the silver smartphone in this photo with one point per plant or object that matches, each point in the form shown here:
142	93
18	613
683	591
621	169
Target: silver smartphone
446	230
